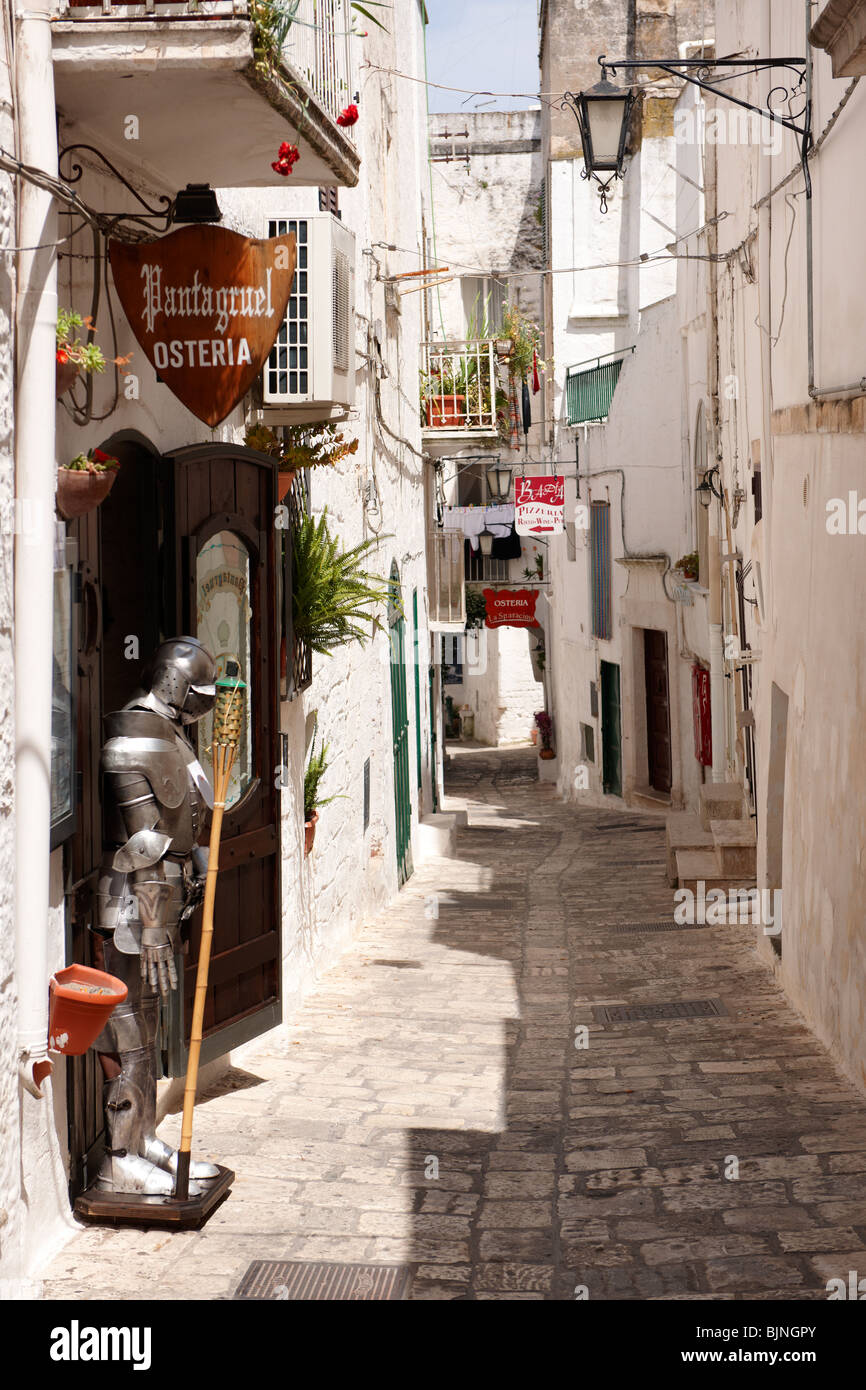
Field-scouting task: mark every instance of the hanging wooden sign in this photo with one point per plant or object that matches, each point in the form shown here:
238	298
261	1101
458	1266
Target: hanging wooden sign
511	607
206	305
539	506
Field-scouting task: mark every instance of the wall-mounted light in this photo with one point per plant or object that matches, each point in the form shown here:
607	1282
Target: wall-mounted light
485	540
603	114
706	488
196	203
499	481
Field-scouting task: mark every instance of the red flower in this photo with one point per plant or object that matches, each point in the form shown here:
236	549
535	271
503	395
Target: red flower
100	456
348	116
288	156
62	357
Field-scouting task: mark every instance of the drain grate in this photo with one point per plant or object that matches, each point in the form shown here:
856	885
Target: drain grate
310	1281
624	928
649	1013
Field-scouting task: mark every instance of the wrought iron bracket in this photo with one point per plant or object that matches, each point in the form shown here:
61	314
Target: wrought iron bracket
698	72
153	218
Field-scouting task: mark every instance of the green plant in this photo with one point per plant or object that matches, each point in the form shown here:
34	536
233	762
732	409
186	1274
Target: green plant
317	766
476	609
303	446
94	461
272	20
525	342
87	356
688	564
333	594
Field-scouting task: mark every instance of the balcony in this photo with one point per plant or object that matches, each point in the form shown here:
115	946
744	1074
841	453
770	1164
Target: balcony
208	106
461	399
589	390
446	582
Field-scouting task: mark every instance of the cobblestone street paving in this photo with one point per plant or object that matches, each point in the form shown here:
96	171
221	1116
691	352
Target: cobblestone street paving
428	1104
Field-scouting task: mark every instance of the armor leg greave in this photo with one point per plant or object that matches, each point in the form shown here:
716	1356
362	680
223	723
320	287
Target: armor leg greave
123	1167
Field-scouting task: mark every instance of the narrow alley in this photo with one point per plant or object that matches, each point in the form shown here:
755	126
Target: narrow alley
433	1106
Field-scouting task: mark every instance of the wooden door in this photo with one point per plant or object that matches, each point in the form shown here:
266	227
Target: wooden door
611	729
658	716
225	542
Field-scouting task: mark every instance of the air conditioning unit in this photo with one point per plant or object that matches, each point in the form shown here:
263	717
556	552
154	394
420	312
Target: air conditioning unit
310	373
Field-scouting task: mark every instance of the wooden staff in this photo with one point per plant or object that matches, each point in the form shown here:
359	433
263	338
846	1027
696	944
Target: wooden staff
227	727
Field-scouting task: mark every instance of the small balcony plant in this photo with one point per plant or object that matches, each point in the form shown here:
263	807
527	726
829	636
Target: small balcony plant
688	565
85	482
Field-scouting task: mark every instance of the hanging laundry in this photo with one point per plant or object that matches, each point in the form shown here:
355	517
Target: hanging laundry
471	521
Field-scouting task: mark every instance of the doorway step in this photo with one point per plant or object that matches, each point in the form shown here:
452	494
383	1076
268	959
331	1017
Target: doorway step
717	846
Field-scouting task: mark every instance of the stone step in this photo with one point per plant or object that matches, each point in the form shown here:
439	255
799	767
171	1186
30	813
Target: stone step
683	830
701	865
735	846
721	801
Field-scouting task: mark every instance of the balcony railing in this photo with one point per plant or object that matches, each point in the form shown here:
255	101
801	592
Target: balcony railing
316	48
589	390
458	387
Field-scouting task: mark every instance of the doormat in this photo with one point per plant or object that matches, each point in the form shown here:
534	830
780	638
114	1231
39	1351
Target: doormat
622	928
315	1281
650	1013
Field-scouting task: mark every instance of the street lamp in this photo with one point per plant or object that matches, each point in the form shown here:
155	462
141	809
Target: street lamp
603	111
485	540
196	203
706	488
499	481
603	114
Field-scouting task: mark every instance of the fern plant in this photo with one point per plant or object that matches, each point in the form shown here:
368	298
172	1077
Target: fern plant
334	596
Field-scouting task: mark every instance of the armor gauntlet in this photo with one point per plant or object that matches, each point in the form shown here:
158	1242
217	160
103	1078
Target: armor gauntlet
142	857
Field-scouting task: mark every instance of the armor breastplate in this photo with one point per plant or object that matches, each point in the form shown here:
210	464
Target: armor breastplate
145	743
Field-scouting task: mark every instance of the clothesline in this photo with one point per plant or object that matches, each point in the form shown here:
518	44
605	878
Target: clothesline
471	521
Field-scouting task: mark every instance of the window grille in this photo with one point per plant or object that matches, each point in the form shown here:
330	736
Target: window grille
288	369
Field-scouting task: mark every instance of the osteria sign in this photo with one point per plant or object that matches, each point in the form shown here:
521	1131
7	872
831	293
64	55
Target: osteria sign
206	305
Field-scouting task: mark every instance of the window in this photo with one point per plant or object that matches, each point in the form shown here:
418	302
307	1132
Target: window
483	303
224	626
329	201
599	540
587	742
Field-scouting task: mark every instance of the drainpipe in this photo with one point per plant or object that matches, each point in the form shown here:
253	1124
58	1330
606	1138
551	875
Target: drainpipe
36	321
818	393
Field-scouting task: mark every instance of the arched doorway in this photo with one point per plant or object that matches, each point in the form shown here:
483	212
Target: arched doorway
184	543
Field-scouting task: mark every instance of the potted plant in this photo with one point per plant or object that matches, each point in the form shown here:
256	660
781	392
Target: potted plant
538	654
476	609
85	482
544	724
688	565
525	350
317	766
443	397
73	355
333	595
302	446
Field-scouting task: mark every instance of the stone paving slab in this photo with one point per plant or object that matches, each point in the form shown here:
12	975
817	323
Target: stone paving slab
446	1099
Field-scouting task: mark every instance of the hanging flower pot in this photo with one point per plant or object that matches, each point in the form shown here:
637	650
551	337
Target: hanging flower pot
84	483
66	374
81	1002
546	753
286	478
310	832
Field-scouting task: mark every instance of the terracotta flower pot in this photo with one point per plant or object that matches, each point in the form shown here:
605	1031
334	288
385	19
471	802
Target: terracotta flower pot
82	1001
286	478
79	491
446	412
66	374
534	735
310	833
547	754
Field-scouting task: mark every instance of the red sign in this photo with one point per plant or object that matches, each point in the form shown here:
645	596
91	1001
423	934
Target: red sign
702	716
206	305
539	505
511	607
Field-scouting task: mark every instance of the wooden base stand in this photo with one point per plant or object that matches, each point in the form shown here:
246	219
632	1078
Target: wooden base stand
134	1209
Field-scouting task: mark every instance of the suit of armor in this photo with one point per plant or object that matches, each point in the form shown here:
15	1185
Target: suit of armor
152	878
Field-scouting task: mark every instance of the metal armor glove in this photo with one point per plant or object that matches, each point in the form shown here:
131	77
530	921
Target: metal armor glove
157	961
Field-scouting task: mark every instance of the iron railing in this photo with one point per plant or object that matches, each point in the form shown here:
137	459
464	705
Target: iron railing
317	47
589	390
458	386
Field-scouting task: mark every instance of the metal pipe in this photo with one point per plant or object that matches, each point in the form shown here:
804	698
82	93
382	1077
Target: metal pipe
36	323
